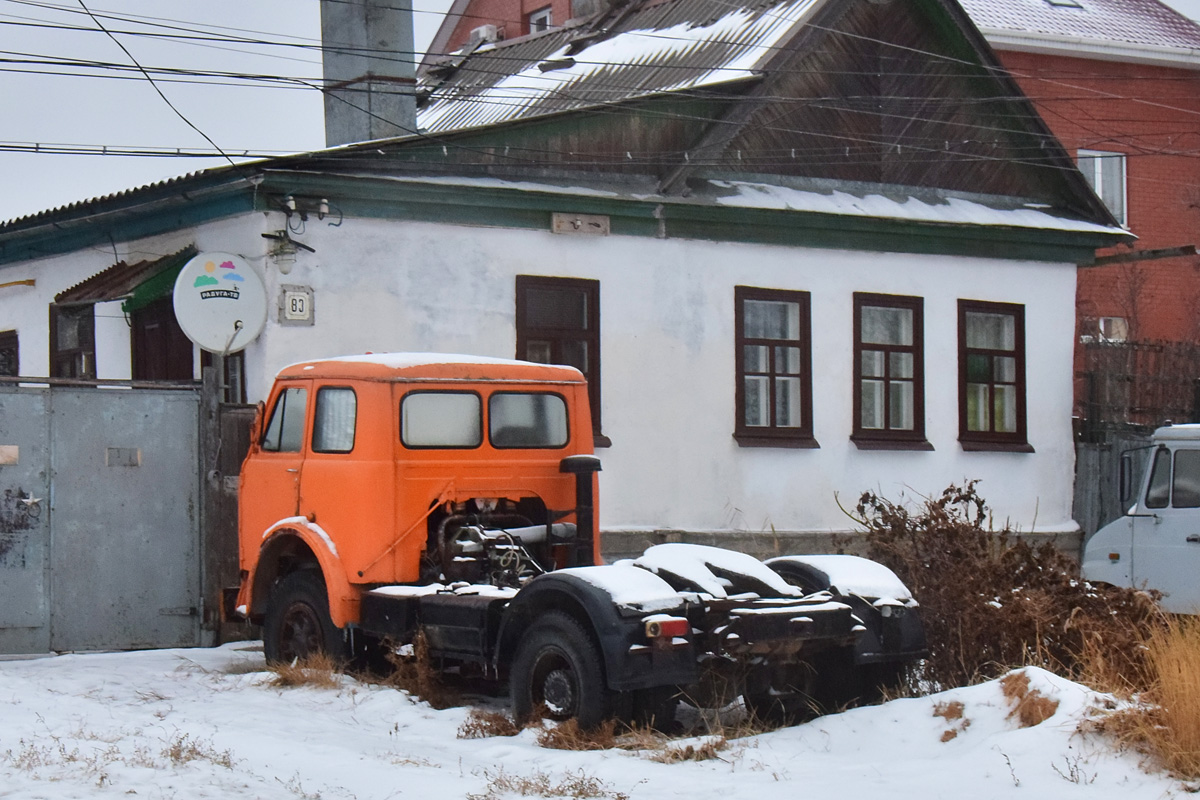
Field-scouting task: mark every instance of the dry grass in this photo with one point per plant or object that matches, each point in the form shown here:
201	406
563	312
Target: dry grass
1029	706
954	713
949	711
569	736
183	749
419	676
482	724
541	784
700	751
318	671
1165	722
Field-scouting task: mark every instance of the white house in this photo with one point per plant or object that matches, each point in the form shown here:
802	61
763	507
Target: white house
788	281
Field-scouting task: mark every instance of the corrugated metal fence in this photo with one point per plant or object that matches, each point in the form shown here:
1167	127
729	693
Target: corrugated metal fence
115	517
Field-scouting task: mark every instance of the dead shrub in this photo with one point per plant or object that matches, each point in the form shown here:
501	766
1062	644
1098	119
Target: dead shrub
419	676
318	670
1029	706
485	724
991	601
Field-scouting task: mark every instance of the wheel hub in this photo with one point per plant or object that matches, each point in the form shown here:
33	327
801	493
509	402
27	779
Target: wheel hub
559	694
300	633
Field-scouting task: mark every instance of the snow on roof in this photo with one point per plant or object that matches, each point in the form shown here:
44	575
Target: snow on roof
431	365
947	210
641	61
410	360
858	203
1124	25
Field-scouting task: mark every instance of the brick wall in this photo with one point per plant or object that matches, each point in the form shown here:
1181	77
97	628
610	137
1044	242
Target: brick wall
511	16
1152	114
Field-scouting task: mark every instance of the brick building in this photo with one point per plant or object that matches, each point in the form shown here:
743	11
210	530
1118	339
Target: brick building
1118	81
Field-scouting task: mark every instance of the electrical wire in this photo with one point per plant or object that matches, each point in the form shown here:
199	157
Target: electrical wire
617	90
165	99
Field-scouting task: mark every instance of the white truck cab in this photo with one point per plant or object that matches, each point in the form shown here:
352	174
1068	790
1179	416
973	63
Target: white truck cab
1156	545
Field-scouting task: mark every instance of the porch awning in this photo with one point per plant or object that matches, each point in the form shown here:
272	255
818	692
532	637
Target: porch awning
138	285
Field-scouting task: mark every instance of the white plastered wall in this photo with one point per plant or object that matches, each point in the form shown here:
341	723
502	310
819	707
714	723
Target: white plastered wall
667	355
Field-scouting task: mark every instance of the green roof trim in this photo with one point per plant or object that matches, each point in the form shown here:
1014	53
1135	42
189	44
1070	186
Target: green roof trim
161	283
633	210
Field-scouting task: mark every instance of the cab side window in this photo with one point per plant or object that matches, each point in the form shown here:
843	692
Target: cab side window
334	420
285	431
1185	487
1159	490
520	419
441	419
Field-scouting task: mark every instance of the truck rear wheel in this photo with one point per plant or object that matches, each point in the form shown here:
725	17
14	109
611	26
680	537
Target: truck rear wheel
557	671
297	623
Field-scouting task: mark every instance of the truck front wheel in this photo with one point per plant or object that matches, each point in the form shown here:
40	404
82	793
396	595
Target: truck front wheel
557	671
297	623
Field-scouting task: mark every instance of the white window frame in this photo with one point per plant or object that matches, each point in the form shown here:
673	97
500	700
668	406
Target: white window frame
1091	165
540	20
1113	329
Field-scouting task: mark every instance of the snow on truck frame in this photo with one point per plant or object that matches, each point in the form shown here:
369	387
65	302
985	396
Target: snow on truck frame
386	495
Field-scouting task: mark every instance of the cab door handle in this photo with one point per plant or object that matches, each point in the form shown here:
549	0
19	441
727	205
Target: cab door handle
1194	538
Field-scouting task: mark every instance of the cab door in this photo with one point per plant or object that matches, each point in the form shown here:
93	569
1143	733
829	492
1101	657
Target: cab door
270	484
1166	539
348	484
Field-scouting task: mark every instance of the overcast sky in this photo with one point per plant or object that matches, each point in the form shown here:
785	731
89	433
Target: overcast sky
84	101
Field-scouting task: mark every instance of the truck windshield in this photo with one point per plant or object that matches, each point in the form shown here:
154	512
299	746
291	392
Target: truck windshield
527	419
1185	488
1159	490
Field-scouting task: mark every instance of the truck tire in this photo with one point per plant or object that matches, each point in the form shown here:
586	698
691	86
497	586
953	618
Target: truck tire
297	623
557	671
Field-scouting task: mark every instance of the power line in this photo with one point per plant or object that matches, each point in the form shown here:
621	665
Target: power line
155	85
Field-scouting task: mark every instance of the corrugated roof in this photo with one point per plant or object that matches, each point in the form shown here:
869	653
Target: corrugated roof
1144	23
674	46
121	280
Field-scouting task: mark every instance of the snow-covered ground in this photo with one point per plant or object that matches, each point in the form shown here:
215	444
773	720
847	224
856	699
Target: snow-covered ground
209	724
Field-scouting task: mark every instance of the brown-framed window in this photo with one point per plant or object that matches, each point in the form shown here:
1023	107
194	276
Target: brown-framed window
10	354
991	376
889	364
558	322
774	368
72	341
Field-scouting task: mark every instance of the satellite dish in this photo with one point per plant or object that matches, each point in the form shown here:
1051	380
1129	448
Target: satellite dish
220	302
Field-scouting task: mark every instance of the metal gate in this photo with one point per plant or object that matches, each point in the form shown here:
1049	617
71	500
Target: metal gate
99	518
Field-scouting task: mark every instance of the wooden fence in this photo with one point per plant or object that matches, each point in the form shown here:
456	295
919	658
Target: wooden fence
1137	386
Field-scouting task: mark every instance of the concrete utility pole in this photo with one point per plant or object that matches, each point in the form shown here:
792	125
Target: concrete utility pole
369	70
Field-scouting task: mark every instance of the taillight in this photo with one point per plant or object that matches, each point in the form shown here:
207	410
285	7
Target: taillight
660	626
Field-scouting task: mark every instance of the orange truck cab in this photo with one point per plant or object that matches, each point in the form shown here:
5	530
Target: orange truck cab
455	496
